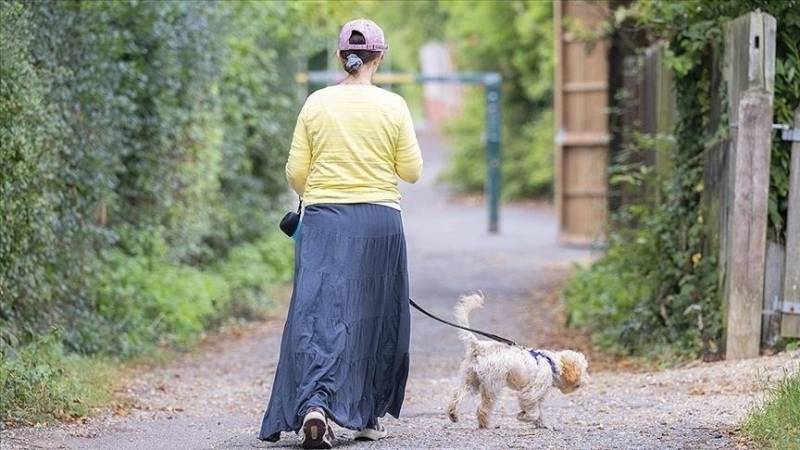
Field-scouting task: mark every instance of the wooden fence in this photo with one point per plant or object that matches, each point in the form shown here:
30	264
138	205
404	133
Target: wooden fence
758	291
790	321
580	104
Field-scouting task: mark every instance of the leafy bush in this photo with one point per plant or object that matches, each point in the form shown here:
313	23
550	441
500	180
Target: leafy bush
466	172
147	302
163	303
253	271
623	276
526	117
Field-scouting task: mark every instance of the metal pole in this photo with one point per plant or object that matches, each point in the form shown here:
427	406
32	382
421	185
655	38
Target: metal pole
492	83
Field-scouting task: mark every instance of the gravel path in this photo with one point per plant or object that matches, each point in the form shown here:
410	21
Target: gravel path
214	397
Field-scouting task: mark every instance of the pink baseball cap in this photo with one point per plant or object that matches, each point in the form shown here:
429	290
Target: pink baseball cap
373	35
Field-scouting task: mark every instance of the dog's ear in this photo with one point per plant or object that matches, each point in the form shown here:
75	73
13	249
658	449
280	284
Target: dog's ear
572	369
570	373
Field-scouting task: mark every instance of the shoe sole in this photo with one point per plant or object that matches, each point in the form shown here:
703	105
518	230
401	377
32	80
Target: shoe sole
370	435
314	432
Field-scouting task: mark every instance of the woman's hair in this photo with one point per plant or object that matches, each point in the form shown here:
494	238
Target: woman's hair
352	60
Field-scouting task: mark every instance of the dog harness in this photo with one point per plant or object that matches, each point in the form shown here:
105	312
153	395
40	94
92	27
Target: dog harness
537	353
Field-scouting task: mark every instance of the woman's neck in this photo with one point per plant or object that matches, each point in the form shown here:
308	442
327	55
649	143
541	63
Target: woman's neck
364	78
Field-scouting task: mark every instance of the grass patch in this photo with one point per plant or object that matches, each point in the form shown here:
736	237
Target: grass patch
775	422
41	383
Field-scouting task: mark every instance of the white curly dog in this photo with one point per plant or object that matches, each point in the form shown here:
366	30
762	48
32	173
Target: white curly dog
488	366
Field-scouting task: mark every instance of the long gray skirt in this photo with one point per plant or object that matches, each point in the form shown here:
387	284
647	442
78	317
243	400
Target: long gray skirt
345	342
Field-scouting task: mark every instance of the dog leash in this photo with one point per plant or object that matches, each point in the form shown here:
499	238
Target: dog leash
532	352
482	333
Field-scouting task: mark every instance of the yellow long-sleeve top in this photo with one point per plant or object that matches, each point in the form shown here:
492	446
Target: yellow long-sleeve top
351	143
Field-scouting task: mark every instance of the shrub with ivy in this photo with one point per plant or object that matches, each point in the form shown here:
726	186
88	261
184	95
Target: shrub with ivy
675	309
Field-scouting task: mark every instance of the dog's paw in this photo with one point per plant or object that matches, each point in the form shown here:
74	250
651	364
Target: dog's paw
535	421
524	416
452	414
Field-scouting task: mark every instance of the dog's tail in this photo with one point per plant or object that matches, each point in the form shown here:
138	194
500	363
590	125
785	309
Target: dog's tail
466	303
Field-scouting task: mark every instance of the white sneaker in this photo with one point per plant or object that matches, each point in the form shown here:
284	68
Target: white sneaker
371	434
316	433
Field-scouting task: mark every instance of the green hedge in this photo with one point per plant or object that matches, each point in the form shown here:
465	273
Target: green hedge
143	146
28	239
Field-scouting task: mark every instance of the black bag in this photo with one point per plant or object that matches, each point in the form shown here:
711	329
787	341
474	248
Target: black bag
291	220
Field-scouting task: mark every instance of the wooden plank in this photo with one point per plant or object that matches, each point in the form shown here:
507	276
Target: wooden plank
773	293
666	115
790	323
558	112
586	112
747	246
587	169
585	195
583	59
586	86
581	219
581	100
578	139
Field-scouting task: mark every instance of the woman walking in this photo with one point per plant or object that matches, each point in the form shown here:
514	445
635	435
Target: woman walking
344	350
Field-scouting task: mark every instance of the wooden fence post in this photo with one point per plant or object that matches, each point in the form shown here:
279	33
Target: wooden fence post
748	224
744	178
790	323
